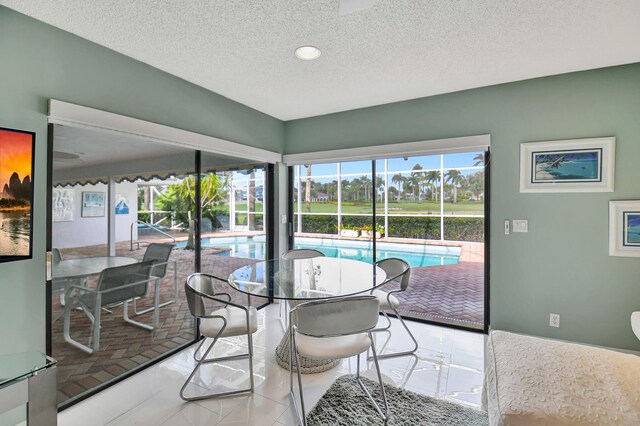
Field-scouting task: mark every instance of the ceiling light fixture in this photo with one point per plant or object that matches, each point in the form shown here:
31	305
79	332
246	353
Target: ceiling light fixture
307	53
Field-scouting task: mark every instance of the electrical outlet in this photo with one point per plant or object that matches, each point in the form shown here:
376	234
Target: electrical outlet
520	225
554	320
284	218
506	227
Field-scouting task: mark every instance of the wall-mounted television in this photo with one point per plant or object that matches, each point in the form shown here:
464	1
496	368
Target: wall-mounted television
17	150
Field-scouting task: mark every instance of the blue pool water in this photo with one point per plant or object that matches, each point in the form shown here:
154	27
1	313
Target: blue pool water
416	255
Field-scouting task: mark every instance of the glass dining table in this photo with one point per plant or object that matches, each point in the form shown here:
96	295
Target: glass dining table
300	280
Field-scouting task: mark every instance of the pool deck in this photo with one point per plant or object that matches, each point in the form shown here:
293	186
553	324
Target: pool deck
452	294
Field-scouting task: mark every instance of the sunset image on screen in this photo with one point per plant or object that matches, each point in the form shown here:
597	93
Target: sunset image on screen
15	194
15	156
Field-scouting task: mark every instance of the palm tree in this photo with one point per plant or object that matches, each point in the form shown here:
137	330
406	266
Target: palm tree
380	187
432	177
479	159
212	190
251	200
307	189
365	181
455	178
399	180
416	179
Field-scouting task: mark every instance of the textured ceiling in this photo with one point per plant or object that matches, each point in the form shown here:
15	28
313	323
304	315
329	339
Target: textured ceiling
395	50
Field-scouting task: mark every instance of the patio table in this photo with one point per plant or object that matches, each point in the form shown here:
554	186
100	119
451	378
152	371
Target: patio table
86	266
301	280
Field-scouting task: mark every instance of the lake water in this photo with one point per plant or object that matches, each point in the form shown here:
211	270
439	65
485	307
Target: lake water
14	233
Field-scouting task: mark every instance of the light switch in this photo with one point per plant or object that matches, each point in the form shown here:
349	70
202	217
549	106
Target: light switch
520	225
284	218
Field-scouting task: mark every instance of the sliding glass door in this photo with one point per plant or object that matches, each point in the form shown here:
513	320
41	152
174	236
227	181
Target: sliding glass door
234	229
429	211
117	201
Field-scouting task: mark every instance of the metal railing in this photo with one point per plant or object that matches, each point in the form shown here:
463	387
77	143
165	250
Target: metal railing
152	227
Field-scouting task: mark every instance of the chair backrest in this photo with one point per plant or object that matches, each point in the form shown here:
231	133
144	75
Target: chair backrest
198	283
336	317
302	254
160	253
56	255
397	270
111	279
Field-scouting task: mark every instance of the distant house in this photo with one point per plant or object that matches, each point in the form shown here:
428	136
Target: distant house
320	196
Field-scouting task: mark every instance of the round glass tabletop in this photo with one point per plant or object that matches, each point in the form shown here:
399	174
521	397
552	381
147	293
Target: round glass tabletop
305	279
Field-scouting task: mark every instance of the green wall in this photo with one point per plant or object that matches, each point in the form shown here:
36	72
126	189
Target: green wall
40	62
562	265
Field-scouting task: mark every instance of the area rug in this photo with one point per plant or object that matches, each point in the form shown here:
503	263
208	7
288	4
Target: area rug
344	404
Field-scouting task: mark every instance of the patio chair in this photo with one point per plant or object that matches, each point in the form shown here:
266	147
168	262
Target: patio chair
231	320
160	253
334	329
121	284
397	271
59	285
293	255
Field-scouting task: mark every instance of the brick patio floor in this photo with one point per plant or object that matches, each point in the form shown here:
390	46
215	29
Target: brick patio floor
452	294
124	347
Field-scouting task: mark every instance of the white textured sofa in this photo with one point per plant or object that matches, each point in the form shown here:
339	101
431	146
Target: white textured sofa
534	381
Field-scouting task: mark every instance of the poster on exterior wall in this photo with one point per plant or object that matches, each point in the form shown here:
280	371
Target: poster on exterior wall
62	205
122	204
16	194
93	204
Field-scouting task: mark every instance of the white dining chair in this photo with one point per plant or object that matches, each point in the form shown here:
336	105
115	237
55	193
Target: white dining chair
334	329
398	271
230	320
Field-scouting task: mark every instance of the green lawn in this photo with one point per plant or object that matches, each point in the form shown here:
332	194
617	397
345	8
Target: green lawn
468	207
242	207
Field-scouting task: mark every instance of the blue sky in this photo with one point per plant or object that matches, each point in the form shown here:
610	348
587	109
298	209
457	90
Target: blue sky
395	164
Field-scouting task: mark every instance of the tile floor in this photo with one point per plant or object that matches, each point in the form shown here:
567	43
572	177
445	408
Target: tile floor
449	364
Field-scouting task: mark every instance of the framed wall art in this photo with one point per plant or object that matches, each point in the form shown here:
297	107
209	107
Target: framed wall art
575	165
122	204
624	228
93	204
62	201
16	194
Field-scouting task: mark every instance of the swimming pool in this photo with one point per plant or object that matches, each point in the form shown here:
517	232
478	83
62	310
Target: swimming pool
418	255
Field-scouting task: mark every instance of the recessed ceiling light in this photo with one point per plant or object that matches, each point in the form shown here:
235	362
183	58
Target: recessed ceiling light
307	53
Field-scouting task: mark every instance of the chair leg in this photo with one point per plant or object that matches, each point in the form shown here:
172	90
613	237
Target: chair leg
385	415
384	393
125	316
296	357
66	328
156	292
386	327
282	304
250	343
204	360
404	353
249	354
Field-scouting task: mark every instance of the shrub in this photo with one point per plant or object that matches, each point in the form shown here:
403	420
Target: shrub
319	224
464	229
417	227
425	228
